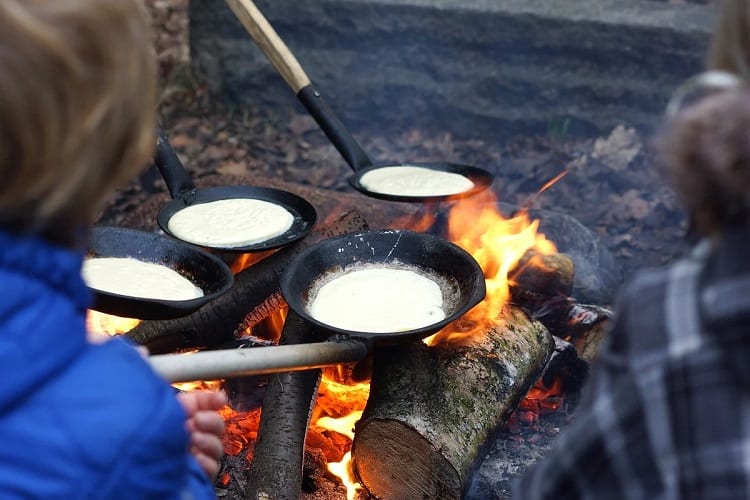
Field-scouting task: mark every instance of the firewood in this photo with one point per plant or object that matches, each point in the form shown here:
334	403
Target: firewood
588	325
431	409
255	288
550	275
542	285
276	468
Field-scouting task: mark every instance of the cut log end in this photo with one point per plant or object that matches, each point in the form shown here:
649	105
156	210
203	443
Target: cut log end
550	275
384	448
431	409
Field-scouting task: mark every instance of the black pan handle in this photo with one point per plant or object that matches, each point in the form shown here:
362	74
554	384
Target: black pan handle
171	168
334	129
289	68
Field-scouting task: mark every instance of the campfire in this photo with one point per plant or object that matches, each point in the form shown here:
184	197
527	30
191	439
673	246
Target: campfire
361	438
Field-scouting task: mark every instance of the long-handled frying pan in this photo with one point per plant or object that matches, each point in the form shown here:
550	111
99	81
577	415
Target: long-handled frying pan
204	270
460	277
287	65
184	194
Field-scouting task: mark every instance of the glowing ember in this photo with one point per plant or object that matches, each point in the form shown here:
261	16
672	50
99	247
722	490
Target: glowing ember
543	400
498	244
240	431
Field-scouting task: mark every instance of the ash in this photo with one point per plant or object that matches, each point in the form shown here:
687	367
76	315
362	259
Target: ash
523	440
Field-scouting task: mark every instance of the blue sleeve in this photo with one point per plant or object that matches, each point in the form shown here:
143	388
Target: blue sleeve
198	485
136	427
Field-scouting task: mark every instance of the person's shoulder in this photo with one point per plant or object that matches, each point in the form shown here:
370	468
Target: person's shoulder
639	316
647	286
119	367
120	423
112	388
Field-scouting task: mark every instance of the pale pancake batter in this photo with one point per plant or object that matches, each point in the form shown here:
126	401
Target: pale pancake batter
409	180
378	300
135	278
234	222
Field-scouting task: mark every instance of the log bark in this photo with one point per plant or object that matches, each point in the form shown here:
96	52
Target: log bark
431	409
255	289
276	469
588	326
550	275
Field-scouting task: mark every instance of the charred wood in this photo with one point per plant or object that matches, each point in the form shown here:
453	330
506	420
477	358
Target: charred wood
542	285
313	470
431	409
551	275
255	289
564	367
587	326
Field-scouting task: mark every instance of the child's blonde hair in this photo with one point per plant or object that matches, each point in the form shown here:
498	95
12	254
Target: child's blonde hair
78	96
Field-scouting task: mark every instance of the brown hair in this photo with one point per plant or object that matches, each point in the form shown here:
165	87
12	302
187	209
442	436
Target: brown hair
730	43
705	153
77	109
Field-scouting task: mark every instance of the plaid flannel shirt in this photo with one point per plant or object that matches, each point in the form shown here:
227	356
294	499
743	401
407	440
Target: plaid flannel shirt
667	410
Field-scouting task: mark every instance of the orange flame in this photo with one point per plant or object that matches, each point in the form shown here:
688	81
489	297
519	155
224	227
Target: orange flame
498	244
338	408
245	260
343	470
99	322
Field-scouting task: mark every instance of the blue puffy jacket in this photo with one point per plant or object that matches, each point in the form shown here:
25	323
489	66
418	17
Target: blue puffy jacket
79	421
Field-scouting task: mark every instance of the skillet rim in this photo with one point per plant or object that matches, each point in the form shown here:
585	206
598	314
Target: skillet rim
481	178
150	308
293	294
304	213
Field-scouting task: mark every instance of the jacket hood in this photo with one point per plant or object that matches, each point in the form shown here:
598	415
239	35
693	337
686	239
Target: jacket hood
42	313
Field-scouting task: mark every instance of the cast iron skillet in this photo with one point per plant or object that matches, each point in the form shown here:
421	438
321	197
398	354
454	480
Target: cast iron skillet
458	274
205	270
464	287
184	193
289	68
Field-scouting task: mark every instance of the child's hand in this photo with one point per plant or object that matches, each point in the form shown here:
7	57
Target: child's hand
205	426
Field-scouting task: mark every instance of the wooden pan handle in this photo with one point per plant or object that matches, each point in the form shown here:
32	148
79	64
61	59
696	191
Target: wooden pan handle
270	43
227	363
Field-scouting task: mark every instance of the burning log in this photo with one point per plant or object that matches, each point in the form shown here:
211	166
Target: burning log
564	370
549	275
542	287
588	325
255	291
276	468
432	408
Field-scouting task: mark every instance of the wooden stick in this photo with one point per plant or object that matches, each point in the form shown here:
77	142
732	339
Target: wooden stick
226	363
270	43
